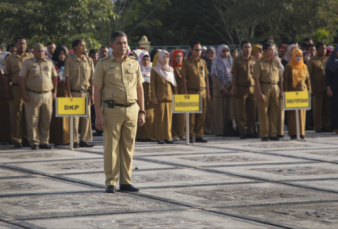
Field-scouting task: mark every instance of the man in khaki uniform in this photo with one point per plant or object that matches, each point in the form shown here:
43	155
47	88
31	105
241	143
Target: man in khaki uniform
321	101
194	81
118	85
79	71
13	93
267	75
40	76
243	83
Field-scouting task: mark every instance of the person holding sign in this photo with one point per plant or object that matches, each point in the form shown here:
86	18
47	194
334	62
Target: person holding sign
162	81
41	77
296	78
267	76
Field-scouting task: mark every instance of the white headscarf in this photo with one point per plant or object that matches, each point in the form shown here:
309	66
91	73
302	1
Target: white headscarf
2	60
145	69
165	71
137	52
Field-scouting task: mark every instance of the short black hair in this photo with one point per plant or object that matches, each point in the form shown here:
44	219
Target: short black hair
293	42
307	39
103	47
244	42
304	45
50	43
319	44
19	38
232	50
76	43
192	45
92	51
10	46
310	45
116	34
268	44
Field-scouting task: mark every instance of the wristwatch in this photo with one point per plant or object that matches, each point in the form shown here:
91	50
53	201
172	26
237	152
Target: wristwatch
144	112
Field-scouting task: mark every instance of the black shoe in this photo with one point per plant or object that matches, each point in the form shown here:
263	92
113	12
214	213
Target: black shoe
25	143
18	145
160	142
85	144
280	136
46	146
251	136
169	141
242	136
128	188
76	145
318	130
34	147
293	137
150	140
191	140
302	137
274	139
265	139
327	130
97	134
201	140
110	189
182	138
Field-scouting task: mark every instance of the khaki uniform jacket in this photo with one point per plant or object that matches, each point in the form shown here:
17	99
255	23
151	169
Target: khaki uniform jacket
160	88
195	73
13	65
243	69
80	72
316	67
267	71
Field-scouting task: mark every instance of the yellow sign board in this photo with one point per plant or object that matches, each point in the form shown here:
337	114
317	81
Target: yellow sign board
71	106
187	103
294	100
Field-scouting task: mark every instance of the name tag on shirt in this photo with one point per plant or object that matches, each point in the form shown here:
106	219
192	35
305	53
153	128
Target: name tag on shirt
111	67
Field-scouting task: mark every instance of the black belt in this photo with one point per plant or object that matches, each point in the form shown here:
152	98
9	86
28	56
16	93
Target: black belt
39	92
271	83
15	84
80	91
193	89
122	105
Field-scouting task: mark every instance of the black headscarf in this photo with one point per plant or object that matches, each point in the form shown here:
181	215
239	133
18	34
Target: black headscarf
56	55
332	62
153	53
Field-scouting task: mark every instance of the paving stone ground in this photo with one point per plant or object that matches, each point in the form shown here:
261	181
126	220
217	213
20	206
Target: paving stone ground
225	183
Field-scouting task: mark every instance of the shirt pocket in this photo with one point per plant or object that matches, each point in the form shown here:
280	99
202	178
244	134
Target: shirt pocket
112	76
130	75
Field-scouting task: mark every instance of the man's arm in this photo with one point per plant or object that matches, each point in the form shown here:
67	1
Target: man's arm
207	83
92	91
258	90
280	84
55	85
23	89
140	100
67	82
99	121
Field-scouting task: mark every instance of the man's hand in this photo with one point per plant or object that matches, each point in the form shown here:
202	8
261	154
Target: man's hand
329	92
154	101
91	99
54	95
99	122
281	95
236	94
25	97
208	97
261	97
141	119
8	95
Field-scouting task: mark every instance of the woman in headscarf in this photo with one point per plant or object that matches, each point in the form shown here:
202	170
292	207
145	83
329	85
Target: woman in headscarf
162	81
331	75
280	118
137	53
155	60
288	54
210	56
204	51
146	132
153	53
224	108
296	78
178	119
257	51
59	127
5	134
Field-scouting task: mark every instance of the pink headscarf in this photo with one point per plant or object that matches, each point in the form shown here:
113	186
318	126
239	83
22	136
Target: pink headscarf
145	69
165	71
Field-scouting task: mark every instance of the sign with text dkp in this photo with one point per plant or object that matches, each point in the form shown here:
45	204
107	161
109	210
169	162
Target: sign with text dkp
187	104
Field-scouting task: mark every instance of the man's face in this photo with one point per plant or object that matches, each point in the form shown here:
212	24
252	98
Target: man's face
81	48
246	49
39	54
269	52
321	50
103	52
234	53
94	56
12	50
196	51
51	49
312	51
21	45
120	45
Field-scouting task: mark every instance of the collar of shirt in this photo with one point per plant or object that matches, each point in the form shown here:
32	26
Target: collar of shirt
83	59
43	59
23	55
247	58
266	60
112	57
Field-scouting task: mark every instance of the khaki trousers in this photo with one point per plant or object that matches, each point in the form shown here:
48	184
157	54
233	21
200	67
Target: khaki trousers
119	142
246	109
208	115
268	110
197	120
292	127
38	116
147	130
321	110
85	122
163	121
17	116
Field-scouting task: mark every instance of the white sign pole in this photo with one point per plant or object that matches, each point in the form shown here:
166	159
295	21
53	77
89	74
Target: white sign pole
187	131
297	124
71	134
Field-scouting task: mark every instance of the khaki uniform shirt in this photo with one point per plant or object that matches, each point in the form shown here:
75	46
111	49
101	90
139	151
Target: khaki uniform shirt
243	69
13	65
79	72
316	67
38	75
118	80
195	73
160	88
267	71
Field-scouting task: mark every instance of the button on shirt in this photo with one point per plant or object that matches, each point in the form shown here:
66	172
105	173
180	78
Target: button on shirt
316	67
118	80
38	75
79	72
243	68
13	65
267	71
195	73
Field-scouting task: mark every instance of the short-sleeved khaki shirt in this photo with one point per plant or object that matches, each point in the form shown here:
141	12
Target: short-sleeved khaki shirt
243	68
79	72
38	74
118	80
195	73
13	65
267	71
316	67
